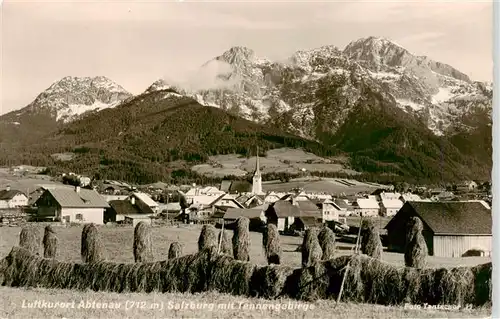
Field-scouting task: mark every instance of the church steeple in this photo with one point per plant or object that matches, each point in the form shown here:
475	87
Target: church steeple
257	164
257	178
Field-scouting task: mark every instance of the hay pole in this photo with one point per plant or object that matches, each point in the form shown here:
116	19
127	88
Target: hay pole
343	281
356	248
220	239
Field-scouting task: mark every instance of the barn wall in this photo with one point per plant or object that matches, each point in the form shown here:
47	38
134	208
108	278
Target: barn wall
456	246
89	215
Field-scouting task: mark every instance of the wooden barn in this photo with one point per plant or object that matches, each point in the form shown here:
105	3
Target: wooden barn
451	229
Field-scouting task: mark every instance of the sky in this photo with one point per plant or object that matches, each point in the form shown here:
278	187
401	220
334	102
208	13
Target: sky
135	43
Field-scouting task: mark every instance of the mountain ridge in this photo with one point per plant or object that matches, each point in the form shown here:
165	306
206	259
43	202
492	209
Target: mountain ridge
389	111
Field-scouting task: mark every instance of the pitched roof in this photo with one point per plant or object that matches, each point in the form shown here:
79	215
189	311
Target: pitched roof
342	204
68	197
308	207
285	208
367	203
143	197
466	218
9	194
124	207
234	213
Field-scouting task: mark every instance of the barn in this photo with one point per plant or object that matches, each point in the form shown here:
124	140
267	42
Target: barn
451	229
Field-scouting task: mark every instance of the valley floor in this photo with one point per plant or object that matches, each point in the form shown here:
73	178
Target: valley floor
118	244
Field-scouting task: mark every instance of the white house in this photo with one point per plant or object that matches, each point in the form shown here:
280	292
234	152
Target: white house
143	199
366	207
273	197
75	205
389	196
389	207
11	198
409	197
329	210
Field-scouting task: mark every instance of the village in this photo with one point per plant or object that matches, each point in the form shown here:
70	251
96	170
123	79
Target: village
457	223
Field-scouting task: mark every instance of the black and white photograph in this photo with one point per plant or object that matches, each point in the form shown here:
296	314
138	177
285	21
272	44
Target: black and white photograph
247	159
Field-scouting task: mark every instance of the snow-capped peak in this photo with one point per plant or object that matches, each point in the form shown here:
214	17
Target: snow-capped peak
72	96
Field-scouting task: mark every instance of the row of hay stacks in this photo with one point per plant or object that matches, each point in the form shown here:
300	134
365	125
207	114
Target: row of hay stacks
369	280
357	278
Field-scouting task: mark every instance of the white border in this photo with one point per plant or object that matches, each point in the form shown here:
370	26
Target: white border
495	176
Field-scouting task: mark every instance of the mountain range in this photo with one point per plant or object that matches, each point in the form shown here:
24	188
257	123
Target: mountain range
389	111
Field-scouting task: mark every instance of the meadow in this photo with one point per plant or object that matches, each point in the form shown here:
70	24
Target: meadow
118	243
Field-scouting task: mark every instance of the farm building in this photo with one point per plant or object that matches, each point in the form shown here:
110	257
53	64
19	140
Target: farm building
226	200
144	201
284	214
255	215
451	229
75	205
11	198
122	210
389	207
366	207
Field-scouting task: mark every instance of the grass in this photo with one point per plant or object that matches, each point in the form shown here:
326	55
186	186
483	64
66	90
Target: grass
118	243
210	305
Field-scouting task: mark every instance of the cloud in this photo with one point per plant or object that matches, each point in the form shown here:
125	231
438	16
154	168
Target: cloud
212	75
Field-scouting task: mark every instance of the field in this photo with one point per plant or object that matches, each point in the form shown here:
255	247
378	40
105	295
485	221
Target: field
284	160
118	243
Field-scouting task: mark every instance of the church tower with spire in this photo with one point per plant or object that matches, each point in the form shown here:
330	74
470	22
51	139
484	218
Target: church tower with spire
257	177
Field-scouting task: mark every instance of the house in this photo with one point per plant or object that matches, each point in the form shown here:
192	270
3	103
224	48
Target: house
11	198
255	215
389	196
226	200
443	196
75	205
345	208
287	216
329	210
409	197
110	198
389	207
451	229
250	200
366	207
144	201
126	211
282	213
273	197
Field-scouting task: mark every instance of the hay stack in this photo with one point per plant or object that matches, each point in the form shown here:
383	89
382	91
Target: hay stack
92	249
271	243
29	238
416	248
371	244
175	250
241	239
226	247
269	281
326	238
311	250
208	238
143	245
230	276
49	243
